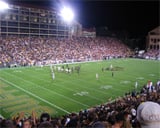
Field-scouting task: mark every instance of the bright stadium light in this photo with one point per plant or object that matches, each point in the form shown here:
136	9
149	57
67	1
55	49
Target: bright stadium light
67	14
3	5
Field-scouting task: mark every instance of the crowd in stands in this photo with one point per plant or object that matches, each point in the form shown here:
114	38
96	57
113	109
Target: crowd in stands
125	112
152	54
121	113
32	51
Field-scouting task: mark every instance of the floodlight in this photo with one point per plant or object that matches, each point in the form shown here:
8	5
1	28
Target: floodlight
3	5
67	14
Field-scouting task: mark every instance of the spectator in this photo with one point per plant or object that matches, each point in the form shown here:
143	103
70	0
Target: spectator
30	51
45	117
27	123
148	115
119	120
7	124
45	124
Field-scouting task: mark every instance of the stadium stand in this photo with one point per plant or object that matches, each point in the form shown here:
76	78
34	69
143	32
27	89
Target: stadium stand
29	51
152	54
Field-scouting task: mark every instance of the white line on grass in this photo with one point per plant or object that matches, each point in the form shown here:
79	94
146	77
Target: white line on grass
51	91
74	90
53	105
111	94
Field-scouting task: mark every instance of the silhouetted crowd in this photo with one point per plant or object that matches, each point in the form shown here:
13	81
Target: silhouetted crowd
33	50
133	110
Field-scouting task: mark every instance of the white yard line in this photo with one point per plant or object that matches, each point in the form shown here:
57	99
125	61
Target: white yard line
92	97
47	102
50	91
76	91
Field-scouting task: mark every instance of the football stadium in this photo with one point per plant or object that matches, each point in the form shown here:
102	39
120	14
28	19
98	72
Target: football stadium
55	74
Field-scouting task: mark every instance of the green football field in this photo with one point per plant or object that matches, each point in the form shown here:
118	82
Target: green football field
30	89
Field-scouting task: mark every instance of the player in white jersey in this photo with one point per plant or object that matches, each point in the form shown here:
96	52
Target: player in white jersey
136	85
53	75
111	67
97	76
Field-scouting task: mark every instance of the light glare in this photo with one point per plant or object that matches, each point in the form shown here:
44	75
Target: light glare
67	14
3	6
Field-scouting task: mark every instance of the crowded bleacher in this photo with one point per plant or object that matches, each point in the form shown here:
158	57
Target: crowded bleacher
29	51
151	54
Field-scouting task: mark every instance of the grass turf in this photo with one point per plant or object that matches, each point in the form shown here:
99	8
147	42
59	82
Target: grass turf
32	88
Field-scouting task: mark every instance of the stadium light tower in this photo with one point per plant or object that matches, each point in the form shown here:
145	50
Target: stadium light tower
67	14
3	5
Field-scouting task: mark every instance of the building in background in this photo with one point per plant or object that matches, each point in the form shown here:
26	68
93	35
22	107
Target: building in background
153	39
91	32
75	29
30	21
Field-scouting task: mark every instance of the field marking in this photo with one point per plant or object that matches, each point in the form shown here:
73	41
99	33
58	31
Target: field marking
74	90
111	94
140	78
88	87
125	82
151	74
17	71
51	91
82	93
106	87
53	105
97	90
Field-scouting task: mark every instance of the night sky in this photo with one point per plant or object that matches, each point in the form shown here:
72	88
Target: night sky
131	16
135	17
